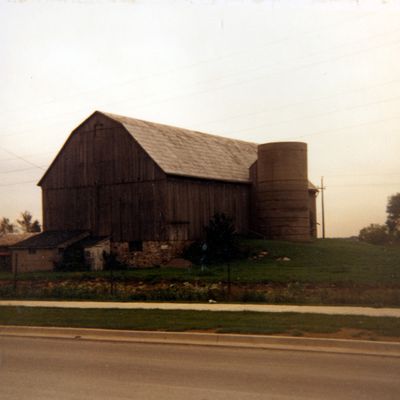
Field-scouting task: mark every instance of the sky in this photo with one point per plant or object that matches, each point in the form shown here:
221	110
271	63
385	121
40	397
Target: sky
323	72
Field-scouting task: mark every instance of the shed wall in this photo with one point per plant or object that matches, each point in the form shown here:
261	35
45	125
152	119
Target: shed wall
41	260
5	260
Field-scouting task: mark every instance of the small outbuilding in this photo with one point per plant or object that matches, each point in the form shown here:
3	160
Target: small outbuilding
93	249
6	242
43	251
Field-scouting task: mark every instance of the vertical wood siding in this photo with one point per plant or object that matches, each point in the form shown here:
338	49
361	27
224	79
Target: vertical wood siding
192	202
104	182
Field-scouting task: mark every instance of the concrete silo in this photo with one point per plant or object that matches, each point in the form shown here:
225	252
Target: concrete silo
282	198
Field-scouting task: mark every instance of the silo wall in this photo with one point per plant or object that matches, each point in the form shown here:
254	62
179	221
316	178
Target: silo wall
282	199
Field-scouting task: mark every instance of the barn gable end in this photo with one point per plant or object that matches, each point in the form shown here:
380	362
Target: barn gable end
101	181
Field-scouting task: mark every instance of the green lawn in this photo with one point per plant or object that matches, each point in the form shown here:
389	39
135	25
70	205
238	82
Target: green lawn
323	261
224	322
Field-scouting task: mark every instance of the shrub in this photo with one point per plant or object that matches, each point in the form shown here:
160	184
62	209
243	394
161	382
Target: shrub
73	259
194	252
393	218
111	262
221	238
374	234
220	245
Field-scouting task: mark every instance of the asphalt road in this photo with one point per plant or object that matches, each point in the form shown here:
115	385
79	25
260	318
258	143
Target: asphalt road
73	369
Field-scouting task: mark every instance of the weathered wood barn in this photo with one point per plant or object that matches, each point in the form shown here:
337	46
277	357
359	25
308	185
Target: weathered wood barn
151	188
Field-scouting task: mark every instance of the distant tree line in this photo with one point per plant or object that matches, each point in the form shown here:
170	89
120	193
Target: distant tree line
388	232
25	223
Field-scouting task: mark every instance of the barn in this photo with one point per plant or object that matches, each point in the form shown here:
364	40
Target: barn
151	188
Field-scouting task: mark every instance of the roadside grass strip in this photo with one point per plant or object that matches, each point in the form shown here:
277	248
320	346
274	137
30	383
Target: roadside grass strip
328	261
294	324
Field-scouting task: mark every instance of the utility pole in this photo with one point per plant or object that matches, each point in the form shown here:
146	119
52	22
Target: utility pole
322	188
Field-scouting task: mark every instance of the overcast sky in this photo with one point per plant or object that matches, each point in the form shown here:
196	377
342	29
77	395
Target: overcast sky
323	72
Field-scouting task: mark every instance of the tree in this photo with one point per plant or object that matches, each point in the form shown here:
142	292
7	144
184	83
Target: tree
374	234
221	238
6	226
26	223
221	243
393	215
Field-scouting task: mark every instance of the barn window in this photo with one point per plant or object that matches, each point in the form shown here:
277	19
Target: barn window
32	251
136	245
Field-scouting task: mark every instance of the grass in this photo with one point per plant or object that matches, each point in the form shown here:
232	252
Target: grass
224	322
323	261
338	261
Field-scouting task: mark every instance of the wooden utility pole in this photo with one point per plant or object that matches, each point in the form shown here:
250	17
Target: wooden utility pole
322	188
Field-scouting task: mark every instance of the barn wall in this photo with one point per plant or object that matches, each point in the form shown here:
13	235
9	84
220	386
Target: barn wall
99	152
253	200
102	181
190	203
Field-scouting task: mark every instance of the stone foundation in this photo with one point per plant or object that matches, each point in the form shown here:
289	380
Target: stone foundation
153	253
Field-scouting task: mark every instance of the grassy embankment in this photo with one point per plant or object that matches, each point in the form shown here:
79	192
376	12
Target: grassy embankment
356	327
333	271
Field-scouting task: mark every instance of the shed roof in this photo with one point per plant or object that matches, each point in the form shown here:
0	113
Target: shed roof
184	152
91	241
51	240
10	239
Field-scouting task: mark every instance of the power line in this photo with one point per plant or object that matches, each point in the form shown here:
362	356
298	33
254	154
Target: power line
387	100
20	170
21	158
360	175
287	105
342	128
243	82
26	156
367	184
252	80
292	138
209	60
16	183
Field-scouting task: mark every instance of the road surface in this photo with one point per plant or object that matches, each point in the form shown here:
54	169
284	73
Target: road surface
55	369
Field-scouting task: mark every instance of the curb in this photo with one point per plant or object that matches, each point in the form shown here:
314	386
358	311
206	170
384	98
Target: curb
342	346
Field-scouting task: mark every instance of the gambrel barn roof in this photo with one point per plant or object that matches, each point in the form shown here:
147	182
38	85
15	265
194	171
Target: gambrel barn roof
180	151
10	239
189	153
184	152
